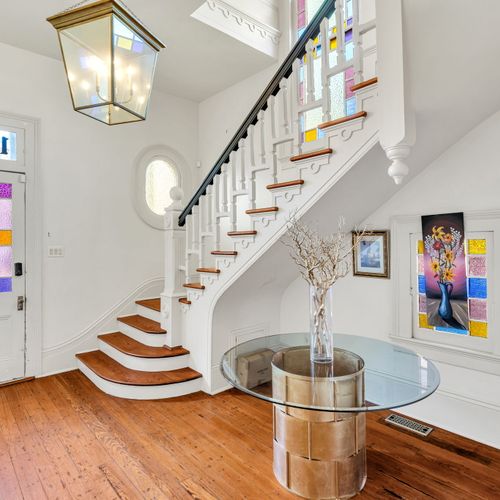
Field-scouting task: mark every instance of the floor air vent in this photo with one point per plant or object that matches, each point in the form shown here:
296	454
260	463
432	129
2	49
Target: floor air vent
409	425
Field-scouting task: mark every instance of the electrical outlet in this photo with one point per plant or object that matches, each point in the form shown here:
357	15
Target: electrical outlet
56	252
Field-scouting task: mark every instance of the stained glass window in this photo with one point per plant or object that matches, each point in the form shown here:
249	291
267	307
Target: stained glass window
477	290
161	177
5	237
8	145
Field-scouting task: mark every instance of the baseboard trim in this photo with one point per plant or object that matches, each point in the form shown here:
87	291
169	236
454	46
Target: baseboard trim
16	381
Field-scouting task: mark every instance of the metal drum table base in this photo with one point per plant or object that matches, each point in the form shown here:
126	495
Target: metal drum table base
319	454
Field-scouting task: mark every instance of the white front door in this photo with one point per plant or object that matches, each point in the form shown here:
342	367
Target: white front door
12	281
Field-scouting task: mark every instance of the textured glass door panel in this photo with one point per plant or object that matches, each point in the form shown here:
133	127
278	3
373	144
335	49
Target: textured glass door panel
5	214
8	145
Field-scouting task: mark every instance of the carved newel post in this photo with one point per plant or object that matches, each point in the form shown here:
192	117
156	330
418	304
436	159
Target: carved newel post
175	240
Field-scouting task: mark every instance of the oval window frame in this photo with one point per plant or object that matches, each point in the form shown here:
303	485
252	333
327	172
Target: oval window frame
145	158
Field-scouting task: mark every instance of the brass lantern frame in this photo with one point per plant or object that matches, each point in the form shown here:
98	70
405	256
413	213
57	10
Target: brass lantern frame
95	11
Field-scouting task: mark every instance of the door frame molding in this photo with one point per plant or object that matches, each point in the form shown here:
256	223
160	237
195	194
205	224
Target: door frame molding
33	239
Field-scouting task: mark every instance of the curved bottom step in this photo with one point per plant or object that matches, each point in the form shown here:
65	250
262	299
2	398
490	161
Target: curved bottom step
117	380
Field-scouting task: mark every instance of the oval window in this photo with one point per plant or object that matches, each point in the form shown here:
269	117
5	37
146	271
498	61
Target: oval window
161	177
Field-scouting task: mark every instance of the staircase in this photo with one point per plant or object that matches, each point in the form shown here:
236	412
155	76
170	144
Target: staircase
316	119
135	363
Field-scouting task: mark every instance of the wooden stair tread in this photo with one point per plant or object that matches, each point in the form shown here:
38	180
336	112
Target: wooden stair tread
146	325
211	270
278	185
312	154
242	233
338	121
109	369
261	210
129	346
224	252
184	300
196	286
362	85
154	304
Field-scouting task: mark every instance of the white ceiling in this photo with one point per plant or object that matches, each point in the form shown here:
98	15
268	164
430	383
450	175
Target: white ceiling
198	62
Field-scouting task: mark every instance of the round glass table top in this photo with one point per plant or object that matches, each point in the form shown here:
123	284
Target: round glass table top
366	375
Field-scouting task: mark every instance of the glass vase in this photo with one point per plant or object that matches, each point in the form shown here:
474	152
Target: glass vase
321	324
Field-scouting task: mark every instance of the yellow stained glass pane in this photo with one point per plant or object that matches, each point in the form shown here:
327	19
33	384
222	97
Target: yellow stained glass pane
478	329
420	247
477	247
422	322
333	44
124	43
311	135
316	40
5	238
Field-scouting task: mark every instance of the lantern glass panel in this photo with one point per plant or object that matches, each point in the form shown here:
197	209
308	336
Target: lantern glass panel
134	64
87	55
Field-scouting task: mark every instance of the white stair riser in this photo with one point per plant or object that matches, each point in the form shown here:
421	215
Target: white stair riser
149	313
144	364
151	339
140	391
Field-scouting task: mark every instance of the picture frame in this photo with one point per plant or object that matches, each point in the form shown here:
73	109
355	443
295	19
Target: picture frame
370	255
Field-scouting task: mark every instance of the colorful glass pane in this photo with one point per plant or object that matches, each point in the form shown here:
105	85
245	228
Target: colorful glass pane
5	285
478	329
478	309
5	214
477	247
5	238
477	266
5	262
8	145
478	288
5	190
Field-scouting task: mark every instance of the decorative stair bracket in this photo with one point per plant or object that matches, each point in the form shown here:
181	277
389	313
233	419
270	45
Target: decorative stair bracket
397	119
175	249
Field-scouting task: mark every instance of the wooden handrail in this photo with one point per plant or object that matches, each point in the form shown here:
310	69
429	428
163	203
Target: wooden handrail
284	71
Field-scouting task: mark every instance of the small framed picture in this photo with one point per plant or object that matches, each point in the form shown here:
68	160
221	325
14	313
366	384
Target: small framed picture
371	254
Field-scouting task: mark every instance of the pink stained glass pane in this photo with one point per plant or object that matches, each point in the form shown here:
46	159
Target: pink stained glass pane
477	266
301	20
349	82
478	310
5	190
5	214
422	304
5	262
420	264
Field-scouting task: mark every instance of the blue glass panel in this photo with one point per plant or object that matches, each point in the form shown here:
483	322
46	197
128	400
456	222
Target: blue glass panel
478	288
451	330
350	106
5	285
421	284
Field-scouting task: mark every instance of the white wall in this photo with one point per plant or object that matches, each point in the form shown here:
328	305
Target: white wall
86	176
221	115
465	178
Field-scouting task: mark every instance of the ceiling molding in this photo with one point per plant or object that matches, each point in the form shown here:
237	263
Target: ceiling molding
246	28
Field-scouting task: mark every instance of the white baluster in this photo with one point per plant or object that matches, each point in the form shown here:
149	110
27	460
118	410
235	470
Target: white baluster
242	164
233	205
202	228
218	180
224	184
325	66
294	106
285	123
189	246
261	150
340	33
269	138
250	182
356	40
310	71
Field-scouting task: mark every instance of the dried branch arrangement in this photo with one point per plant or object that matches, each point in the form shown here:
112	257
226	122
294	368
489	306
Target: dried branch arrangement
321	260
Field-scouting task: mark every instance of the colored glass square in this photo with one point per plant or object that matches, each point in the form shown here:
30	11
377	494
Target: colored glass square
138	46
446	329
422	322
422	303
420	264
5	285
333	44
478	309
420	247
5	190
311	135
421	284
477	247
5	214
5	238
5	262
348	36
124	43
478	329
478	288
477	266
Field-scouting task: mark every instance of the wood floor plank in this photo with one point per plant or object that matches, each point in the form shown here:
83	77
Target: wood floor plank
60	437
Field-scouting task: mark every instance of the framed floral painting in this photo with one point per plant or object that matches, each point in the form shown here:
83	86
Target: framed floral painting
371	254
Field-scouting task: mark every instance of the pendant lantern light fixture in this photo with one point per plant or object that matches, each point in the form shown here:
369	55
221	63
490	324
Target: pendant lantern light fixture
109	58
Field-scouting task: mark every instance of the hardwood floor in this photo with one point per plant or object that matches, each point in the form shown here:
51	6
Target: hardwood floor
60	437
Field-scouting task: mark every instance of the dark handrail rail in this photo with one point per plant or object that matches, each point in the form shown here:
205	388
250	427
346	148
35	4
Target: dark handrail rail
284	71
